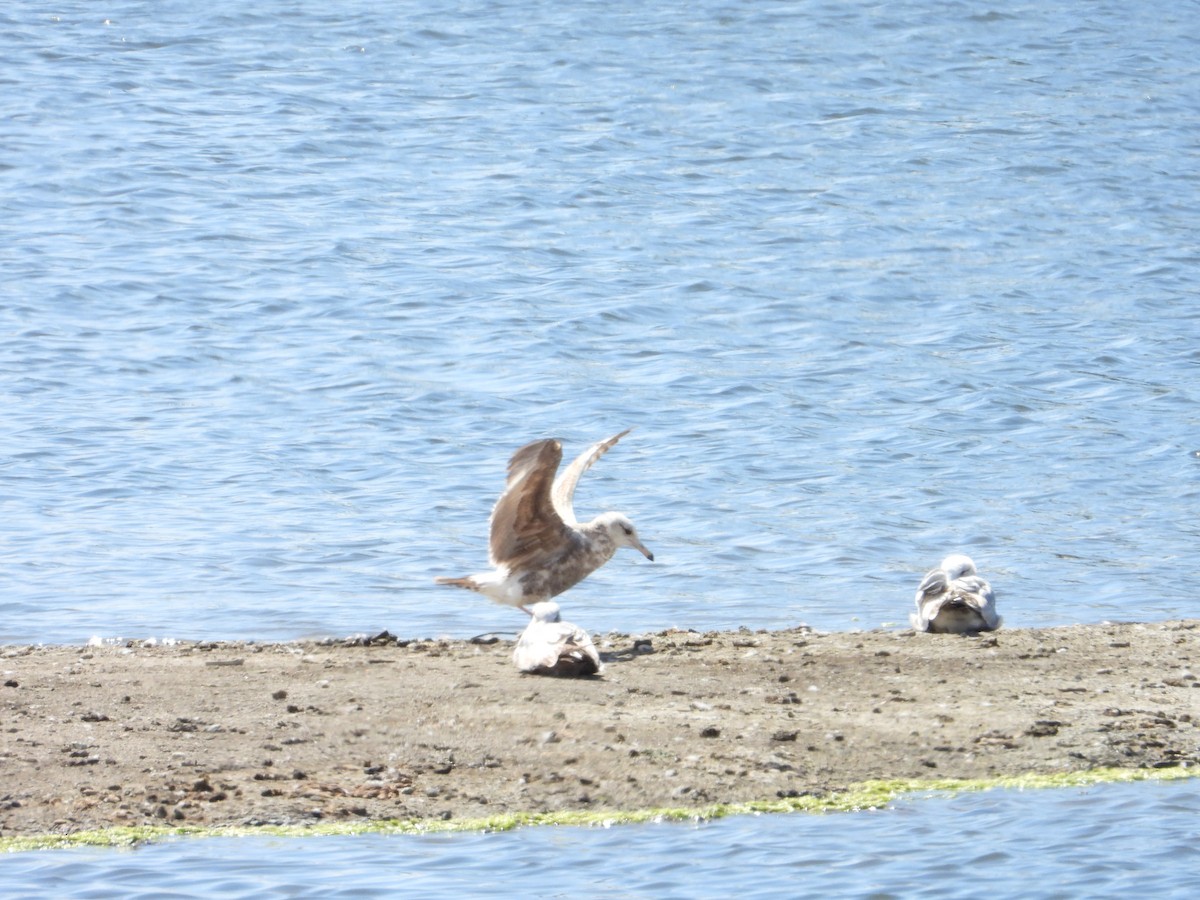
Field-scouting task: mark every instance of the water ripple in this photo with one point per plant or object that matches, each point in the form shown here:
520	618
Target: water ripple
288	287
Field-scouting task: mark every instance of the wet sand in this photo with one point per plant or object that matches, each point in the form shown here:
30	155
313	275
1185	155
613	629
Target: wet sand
248	734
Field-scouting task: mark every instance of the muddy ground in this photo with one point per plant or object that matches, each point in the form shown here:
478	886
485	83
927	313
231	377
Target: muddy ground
246	733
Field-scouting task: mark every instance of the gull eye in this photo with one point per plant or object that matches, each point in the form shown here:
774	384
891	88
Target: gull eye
627	529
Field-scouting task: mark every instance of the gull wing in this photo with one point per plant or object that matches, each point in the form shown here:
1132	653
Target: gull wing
926	613
525	523
535	648
982	598
933	584
978	588
556	648
563	495
967	593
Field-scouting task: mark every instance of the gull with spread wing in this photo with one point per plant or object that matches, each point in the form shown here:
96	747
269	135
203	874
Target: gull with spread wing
537	548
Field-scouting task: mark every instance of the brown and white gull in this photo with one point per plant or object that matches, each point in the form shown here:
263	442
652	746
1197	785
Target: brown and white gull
537	548
954	599
550	646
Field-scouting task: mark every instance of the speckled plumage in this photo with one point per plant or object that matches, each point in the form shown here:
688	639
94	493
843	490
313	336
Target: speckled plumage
537	548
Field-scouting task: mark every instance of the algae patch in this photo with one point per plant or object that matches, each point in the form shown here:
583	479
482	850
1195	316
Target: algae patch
863	796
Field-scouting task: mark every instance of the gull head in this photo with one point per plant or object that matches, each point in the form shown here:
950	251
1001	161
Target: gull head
956	565
623	534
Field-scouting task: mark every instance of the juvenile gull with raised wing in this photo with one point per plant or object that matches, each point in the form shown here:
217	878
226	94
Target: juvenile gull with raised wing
953	599
537	548
550	646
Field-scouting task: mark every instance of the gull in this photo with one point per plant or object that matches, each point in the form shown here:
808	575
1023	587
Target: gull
953	599
537	548
550	646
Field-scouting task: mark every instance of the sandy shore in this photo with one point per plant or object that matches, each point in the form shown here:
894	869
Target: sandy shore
204	734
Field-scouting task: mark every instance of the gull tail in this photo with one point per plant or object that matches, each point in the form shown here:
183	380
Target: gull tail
469	583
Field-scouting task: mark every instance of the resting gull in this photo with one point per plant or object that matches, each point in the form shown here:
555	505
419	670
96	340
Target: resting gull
537	548
953	599
549	646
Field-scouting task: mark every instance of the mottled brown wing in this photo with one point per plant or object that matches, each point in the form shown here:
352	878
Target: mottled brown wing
525	524
563	494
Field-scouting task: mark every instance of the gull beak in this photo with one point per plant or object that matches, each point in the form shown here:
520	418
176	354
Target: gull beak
641	548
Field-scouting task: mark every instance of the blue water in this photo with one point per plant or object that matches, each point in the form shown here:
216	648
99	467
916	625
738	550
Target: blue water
1109	841
285	284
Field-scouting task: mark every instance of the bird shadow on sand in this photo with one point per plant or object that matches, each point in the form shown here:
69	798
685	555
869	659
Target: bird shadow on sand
639	647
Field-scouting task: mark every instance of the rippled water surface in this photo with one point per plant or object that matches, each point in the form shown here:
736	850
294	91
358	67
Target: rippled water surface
284	285
1109	841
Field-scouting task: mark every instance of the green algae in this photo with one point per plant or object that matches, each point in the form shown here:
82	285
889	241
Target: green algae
863	796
